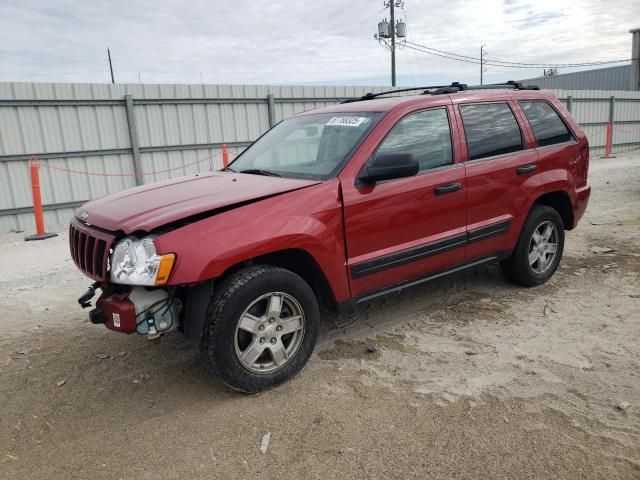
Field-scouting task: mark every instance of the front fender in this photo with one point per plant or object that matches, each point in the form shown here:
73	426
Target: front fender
308	219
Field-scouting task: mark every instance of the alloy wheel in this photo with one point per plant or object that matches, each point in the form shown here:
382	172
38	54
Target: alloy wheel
543	247
269	332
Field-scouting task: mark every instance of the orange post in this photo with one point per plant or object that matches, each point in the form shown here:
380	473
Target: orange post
37	202
607	146
37	198
225	155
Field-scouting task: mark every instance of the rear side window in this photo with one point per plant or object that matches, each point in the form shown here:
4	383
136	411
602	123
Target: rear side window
491	129
547	125
426	134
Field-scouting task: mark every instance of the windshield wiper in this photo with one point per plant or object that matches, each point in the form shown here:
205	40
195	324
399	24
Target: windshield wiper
257	171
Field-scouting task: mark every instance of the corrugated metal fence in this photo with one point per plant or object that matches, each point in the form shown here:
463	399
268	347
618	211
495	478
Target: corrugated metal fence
613	78
95	139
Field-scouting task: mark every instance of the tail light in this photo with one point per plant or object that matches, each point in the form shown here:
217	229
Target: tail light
583	165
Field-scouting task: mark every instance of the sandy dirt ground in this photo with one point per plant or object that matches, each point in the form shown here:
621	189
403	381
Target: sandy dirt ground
467	377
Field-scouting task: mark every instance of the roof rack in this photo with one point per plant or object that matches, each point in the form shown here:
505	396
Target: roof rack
445	89
457	87
371	95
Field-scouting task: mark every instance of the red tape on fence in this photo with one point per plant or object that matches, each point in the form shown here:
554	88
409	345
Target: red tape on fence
100	174
636	130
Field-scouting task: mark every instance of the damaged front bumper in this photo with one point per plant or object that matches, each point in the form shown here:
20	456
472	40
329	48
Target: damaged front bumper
146	311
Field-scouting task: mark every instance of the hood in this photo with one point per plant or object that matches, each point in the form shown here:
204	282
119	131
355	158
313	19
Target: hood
151	206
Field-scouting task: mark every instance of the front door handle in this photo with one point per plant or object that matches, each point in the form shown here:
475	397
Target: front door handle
448	188
527	169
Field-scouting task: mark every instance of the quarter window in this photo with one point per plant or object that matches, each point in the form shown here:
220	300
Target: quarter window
548	127
425	134
491	129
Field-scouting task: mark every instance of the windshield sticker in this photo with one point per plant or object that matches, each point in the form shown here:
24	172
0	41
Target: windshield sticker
347	121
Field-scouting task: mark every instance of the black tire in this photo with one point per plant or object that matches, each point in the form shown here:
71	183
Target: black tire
516	268
230	300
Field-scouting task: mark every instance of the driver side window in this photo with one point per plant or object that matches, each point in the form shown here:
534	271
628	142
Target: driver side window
425	134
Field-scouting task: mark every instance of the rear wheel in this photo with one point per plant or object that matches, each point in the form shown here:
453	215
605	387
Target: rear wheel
539	249
261	328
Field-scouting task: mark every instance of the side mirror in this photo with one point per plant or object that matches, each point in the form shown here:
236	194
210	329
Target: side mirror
389	166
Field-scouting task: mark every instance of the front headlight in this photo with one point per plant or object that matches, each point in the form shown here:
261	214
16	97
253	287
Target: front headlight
135	262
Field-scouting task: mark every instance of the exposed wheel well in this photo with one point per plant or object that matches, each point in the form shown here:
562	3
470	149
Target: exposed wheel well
299	262
561	203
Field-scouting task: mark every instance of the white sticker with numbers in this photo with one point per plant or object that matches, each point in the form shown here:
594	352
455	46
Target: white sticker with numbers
116	320
346	121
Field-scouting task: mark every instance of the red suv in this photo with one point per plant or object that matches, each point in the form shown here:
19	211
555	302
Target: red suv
331	208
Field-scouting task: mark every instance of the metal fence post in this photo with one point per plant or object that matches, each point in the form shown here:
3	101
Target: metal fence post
133	137
612	106
612	109
569	103
271	109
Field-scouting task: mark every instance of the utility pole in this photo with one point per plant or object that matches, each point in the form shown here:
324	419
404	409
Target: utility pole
389	31
392	32
482	69
110	65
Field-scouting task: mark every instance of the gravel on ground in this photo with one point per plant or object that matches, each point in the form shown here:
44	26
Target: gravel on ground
465	377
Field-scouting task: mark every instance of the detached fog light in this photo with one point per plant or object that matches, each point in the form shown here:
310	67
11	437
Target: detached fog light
135	262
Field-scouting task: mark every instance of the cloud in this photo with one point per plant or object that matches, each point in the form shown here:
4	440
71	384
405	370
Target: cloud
253	41
535	20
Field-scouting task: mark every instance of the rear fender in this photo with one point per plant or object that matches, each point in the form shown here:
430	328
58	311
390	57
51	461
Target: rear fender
557	180
554	181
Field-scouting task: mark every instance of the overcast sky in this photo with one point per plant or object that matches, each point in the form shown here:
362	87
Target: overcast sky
288	41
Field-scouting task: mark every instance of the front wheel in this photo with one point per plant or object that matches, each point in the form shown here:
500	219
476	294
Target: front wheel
261	328
539	249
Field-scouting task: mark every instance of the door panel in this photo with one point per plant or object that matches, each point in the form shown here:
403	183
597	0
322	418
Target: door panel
500	167
496	201
402	229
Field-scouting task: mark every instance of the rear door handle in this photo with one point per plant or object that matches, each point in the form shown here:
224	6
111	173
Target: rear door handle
448	188
526	169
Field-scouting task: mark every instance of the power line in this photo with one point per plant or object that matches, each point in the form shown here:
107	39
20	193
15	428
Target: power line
504	63
442	51
413	53
417	49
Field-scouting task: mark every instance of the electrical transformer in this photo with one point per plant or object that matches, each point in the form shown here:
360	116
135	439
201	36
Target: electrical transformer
401	29
383	29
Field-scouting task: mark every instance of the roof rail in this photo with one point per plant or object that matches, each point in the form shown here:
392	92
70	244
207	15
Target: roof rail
457	87
445	89
510	84
371	95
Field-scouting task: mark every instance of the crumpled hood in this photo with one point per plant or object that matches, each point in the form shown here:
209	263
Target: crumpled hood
151	206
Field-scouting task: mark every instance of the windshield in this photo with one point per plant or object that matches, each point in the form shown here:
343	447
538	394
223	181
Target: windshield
310	146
